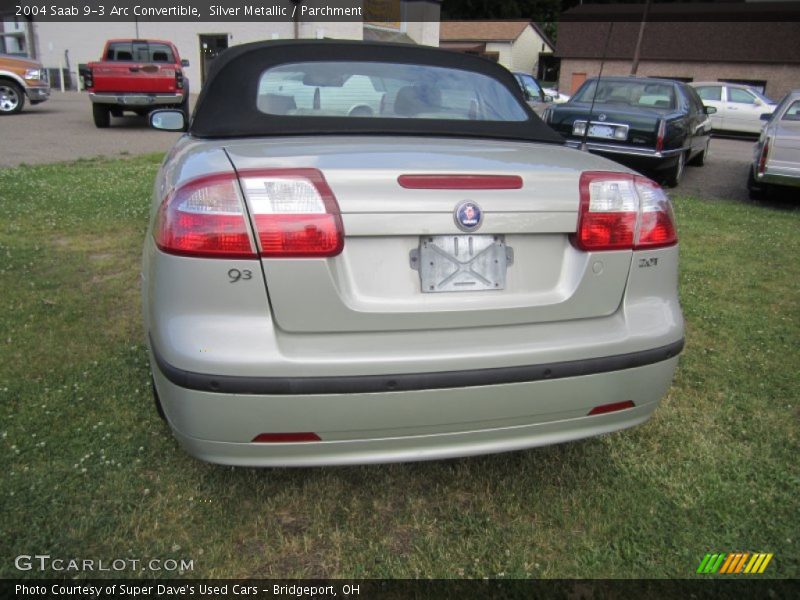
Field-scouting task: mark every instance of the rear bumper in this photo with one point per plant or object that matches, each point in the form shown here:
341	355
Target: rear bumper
645	156
408	426
783	177
135	100
407	382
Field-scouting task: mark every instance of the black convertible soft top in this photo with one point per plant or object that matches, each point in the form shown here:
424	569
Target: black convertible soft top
227	103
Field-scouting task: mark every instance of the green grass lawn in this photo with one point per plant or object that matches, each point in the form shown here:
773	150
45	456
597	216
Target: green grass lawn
90	471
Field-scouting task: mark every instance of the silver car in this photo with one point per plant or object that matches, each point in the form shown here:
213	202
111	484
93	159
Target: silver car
441	277
776	155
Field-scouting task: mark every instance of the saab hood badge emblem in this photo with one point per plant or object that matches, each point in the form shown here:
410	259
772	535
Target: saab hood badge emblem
468	216
601	117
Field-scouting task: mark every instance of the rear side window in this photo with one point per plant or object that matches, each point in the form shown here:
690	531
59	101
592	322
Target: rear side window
529	84
140	52
711	92
793	112
385	90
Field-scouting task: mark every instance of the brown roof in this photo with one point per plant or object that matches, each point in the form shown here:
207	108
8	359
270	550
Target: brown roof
481	31
703	32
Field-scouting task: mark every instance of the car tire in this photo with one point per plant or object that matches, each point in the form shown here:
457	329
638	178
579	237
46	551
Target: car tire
157	400
101	115
675	173
755	190
700	159
12	98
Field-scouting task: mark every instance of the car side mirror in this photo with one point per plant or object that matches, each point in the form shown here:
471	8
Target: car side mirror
765	116
168	120
185	62
758	102
709	110
548	98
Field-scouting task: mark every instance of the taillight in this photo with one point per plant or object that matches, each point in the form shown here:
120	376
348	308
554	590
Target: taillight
619	211
205	217
294	212
662	128
762	160
179	79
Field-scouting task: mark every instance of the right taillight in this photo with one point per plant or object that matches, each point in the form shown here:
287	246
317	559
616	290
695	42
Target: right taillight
619	211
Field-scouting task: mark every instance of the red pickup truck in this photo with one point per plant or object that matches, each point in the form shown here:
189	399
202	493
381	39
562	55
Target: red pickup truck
137	76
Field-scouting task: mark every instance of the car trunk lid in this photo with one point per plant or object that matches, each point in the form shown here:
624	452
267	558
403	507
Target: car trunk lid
379	281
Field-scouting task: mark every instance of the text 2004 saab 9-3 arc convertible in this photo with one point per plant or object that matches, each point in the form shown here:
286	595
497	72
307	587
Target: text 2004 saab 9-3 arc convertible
369	253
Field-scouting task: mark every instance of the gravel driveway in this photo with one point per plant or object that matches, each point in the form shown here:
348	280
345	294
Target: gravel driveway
62	129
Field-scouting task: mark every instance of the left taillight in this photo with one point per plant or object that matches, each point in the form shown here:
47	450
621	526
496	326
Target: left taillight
294	213
205	217
619	211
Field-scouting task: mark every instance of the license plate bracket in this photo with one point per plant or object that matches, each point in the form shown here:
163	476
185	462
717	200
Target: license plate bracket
462	263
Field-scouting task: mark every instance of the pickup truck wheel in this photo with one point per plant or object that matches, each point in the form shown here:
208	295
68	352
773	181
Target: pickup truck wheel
102	116
12	98
675	174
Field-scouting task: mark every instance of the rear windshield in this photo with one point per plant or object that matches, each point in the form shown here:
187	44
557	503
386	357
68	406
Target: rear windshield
630	93
386	90
140	52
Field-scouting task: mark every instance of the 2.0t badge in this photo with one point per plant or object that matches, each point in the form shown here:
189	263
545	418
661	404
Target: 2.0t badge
468	216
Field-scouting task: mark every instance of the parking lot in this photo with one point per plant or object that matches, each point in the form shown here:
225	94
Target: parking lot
61	129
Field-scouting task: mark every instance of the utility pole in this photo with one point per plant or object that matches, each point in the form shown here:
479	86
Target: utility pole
635	65
296	19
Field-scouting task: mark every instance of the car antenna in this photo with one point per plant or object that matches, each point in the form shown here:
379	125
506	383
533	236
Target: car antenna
596	87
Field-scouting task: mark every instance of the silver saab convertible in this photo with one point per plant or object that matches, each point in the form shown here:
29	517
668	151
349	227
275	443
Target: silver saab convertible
365	253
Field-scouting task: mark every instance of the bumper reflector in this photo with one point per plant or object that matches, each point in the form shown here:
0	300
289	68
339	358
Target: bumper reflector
614	406
283	438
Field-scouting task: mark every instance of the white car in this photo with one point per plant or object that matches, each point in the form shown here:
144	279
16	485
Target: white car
558	97
739	107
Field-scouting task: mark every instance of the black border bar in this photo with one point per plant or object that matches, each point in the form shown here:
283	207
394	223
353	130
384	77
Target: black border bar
406	382
696	587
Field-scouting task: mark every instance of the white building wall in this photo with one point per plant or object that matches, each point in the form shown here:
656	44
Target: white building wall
85	41
525	51
503	49
423	32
